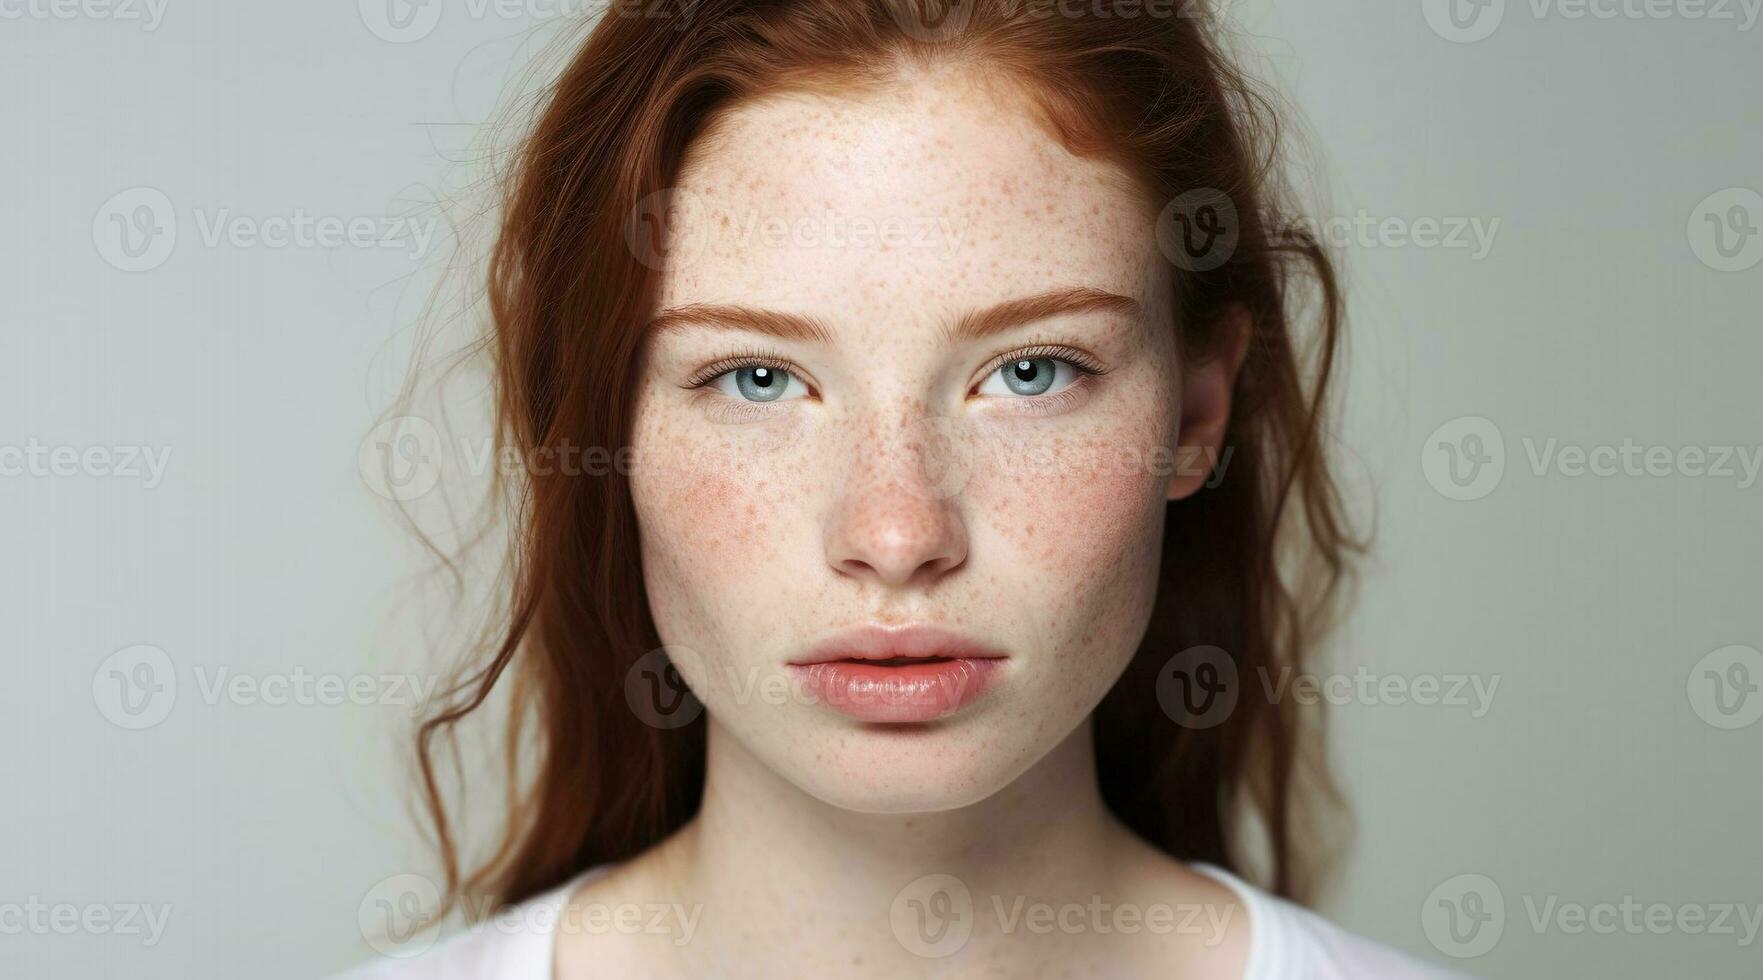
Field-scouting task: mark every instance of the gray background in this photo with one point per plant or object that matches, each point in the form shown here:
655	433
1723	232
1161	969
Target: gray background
1600	769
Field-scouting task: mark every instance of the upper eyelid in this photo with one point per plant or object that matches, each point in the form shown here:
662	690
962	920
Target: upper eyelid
1077	357
723	365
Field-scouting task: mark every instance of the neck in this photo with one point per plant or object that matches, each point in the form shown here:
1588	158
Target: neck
763	852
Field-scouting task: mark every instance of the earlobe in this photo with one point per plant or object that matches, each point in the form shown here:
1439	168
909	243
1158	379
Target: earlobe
1207	384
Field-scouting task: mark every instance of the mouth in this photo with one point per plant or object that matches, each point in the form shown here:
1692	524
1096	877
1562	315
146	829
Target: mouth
898	674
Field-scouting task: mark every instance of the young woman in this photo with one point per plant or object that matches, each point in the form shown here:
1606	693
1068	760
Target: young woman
965	466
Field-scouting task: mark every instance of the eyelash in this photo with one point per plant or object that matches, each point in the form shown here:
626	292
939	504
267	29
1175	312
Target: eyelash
745	359
1086	363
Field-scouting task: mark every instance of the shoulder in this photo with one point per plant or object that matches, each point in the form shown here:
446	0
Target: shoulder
515	944
485	953
1288	940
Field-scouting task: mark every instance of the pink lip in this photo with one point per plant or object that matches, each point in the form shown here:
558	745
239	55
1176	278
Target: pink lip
898	674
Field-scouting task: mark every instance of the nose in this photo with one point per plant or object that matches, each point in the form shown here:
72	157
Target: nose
896	523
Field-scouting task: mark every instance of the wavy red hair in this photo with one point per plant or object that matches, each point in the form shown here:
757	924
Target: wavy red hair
1252	565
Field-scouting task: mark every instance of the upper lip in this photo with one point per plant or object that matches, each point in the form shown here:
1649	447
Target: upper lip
913	641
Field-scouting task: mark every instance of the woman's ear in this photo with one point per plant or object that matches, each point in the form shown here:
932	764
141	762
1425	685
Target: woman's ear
1206	387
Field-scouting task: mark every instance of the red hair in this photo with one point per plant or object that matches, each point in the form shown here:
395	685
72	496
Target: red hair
1252	565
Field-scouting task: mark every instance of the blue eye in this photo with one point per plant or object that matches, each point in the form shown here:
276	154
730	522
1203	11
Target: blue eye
1030	376
759	383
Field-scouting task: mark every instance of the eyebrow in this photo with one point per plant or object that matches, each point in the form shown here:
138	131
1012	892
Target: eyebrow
975	325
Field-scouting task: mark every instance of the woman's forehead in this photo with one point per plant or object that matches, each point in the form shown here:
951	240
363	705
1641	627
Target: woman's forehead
937	194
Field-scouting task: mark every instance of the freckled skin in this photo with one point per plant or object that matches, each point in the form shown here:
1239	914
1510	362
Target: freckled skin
893	493
767	533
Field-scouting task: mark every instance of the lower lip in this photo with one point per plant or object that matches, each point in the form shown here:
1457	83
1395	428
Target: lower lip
908	693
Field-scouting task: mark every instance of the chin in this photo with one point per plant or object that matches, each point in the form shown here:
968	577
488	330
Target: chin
910	768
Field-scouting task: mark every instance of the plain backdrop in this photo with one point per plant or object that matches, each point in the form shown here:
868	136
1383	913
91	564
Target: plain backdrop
1608	605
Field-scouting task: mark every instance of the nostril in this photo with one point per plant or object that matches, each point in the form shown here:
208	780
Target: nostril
881	533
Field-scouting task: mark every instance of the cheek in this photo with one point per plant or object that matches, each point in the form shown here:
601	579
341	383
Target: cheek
720	512
693	521
689	529
1081	504
1078	523
710	508
1081	529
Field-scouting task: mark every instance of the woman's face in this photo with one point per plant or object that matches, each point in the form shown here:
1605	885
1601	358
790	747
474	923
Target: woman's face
941	433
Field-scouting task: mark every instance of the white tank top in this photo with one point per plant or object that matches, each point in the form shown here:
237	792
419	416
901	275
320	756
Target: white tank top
1286	942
